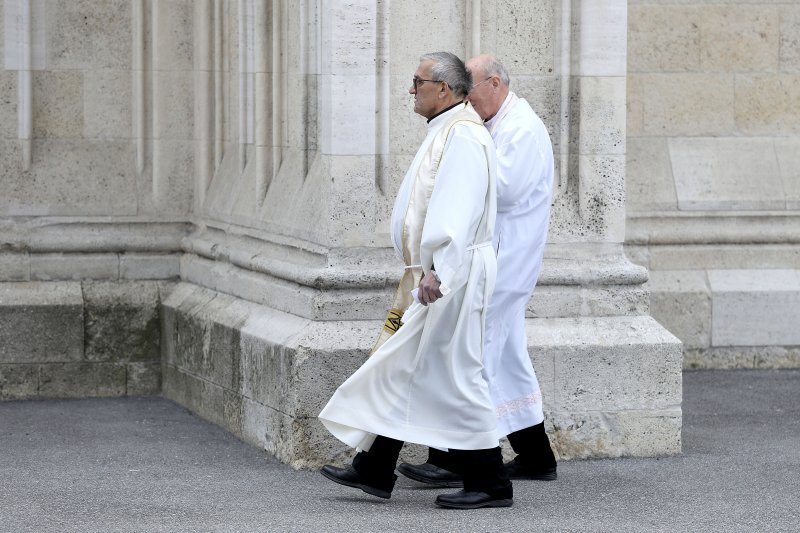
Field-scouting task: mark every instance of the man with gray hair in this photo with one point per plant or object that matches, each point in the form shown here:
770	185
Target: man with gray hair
524	191
425	383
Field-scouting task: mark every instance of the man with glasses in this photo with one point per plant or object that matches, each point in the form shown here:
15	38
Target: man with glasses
524	191
425	383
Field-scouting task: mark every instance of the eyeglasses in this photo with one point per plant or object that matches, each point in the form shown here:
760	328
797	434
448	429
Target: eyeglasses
415	81
481	83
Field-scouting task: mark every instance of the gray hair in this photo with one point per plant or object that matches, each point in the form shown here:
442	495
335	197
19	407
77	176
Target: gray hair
494	68
450	69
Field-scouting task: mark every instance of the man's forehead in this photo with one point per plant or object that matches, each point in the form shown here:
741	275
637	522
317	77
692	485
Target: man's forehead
424	68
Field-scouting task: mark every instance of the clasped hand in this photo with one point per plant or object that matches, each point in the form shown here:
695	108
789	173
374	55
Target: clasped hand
429	289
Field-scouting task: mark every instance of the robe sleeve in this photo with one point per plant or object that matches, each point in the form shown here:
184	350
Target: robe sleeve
456	206
515	182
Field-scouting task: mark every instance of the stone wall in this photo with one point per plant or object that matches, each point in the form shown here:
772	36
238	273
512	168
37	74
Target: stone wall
252	149
714	177
72	339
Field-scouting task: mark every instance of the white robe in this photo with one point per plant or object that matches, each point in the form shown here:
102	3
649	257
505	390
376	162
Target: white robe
425	384
524	192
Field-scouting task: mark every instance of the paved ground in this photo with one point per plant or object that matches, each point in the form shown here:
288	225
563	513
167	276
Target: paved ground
147	464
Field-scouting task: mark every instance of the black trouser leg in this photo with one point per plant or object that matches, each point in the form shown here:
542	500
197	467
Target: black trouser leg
445	460
377	465
484	472
532	446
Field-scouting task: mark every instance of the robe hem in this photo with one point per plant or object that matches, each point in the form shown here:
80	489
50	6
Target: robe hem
436	438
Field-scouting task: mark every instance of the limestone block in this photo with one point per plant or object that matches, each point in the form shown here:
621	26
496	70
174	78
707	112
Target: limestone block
169	185
717	173
408	41
755	307
663	38
149	266
85	34
521	34
349	38
768	104
635	106
8	103
14	266
41	322
602	195
47	267
342	98
688	104
107	105
554	301
121	321
649	185
599	126
788	151
602	38
717	358
610	364
58	104
18	382
790	39
173	105
681	302
731	256
68	177
739	38
80	380
173	33
142	379
354	183
627	433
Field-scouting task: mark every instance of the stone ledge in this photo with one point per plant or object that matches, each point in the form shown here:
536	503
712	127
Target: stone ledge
265	375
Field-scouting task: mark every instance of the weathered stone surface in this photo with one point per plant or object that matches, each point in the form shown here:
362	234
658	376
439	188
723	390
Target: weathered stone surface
745	357
649	184
755	307
716	174
8	103
85	34
68	177
738	38
46	267
626	433
681	302
80	380
18	381
58	104
107	105
135	266
121	321
768	104
790	39
14	267
663	39
41	322
601	38
788	152
688	104
142	379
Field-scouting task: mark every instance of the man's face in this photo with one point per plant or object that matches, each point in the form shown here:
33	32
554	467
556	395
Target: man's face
483	93
425	92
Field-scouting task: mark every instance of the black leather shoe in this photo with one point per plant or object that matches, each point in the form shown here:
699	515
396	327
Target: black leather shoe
518	470
474	500
350	478
431	474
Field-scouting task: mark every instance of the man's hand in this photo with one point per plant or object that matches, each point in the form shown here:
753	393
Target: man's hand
429	289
